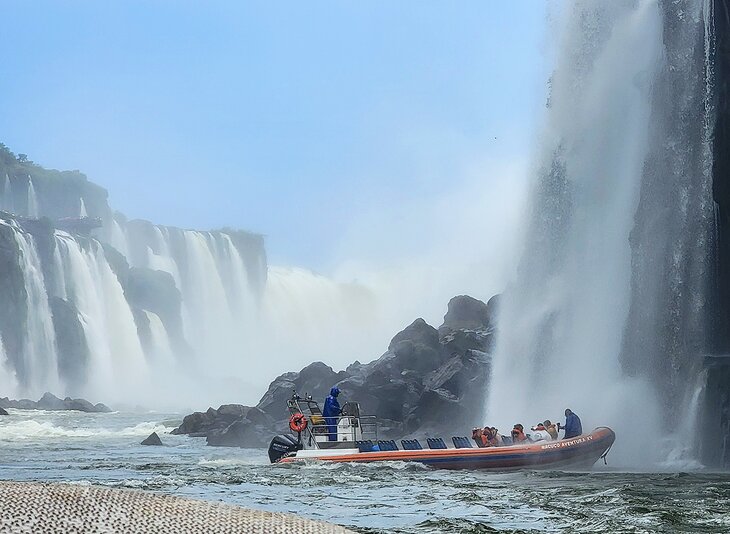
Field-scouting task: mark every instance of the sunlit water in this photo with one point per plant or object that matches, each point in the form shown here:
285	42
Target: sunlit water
104	449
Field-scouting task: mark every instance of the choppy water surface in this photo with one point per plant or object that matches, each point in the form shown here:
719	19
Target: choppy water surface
104	449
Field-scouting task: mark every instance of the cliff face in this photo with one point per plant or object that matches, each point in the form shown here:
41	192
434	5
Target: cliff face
716	402
93	303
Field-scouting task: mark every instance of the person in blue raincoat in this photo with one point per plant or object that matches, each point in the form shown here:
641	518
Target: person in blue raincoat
331	412
573	426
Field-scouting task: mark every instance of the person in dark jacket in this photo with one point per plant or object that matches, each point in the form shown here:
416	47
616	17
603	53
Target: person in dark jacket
331	412
573	426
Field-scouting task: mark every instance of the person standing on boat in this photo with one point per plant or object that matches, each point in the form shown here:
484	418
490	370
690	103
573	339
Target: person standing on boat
573	426
331	412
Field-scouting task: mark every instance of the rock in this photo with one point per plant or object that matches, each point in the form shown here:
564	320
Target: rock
152	439
50	402
250	431
316	379
3	412
467	313
201	424
428	380
73	351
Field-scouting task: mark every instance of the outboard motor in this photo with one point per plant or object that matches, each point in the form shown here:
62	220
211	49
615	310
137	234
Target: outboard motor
282	445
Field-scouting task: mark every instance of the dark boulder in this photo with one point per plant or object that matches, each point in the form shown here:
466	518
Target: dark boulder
200	424
50	402
73	351
315	379
467	313
428	381
252	430
3	412
152	439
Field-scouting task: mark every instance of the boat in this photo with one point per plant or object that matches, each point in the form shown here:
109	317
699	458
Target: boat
357	441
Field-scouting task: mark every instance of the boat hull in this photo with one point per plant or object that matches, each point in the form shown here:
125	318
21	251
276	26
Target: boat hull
581	451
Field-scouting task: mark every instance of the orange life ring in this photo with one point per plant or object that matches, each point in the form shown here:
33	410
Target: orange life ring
297	422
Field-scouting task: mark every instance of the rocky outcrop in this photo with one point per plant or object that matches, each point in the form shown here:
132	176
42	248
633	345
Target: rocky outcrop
316	380
253	429
50	402
3	412
428	381
73	351
153	439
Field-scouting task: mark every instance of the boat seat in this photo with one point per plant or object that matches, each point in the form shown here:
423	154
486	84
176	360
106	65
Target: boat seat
507	440
461	442
387	445
411	445
365	445
436	443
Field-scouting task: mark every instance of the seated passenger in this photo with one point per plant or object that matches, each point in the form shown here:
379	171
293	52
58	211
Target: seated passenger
551	429
478	436
492	436
540	433
518	434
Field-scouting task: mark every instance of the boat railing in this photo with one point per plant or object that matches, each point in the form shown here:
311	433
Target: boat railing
349	427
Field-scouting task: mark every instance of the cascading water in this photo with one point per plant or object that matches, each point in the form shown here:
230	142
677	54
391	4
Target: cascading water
607	311
7	376
32	209
7	199
37	370
162	354
117	361
562	322
82	208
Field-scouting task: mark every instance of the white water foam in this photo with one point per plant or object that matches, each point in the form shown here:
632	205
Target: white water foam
30	429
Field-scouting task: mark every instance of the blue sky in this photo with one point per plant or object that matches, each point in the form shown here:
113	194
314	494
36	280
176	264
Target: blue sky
286	118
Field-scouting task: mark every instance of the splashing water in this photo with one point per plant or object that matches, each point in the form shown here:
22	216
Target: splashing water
562	322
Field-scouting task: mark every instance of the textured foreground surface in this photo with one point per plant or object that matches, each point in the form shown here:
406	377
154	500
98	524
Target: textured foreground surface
59	508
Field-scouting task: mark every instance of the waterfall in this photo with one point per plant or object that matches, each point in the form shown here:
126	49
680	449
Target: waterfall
82	208
206	311
38	370
32	210
117	364
162	353
8	383
7	199
118	238
562	321
162	259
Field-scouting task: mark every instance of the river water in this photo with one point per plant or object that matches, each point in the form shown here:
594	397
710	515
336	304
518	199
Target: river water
104	449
